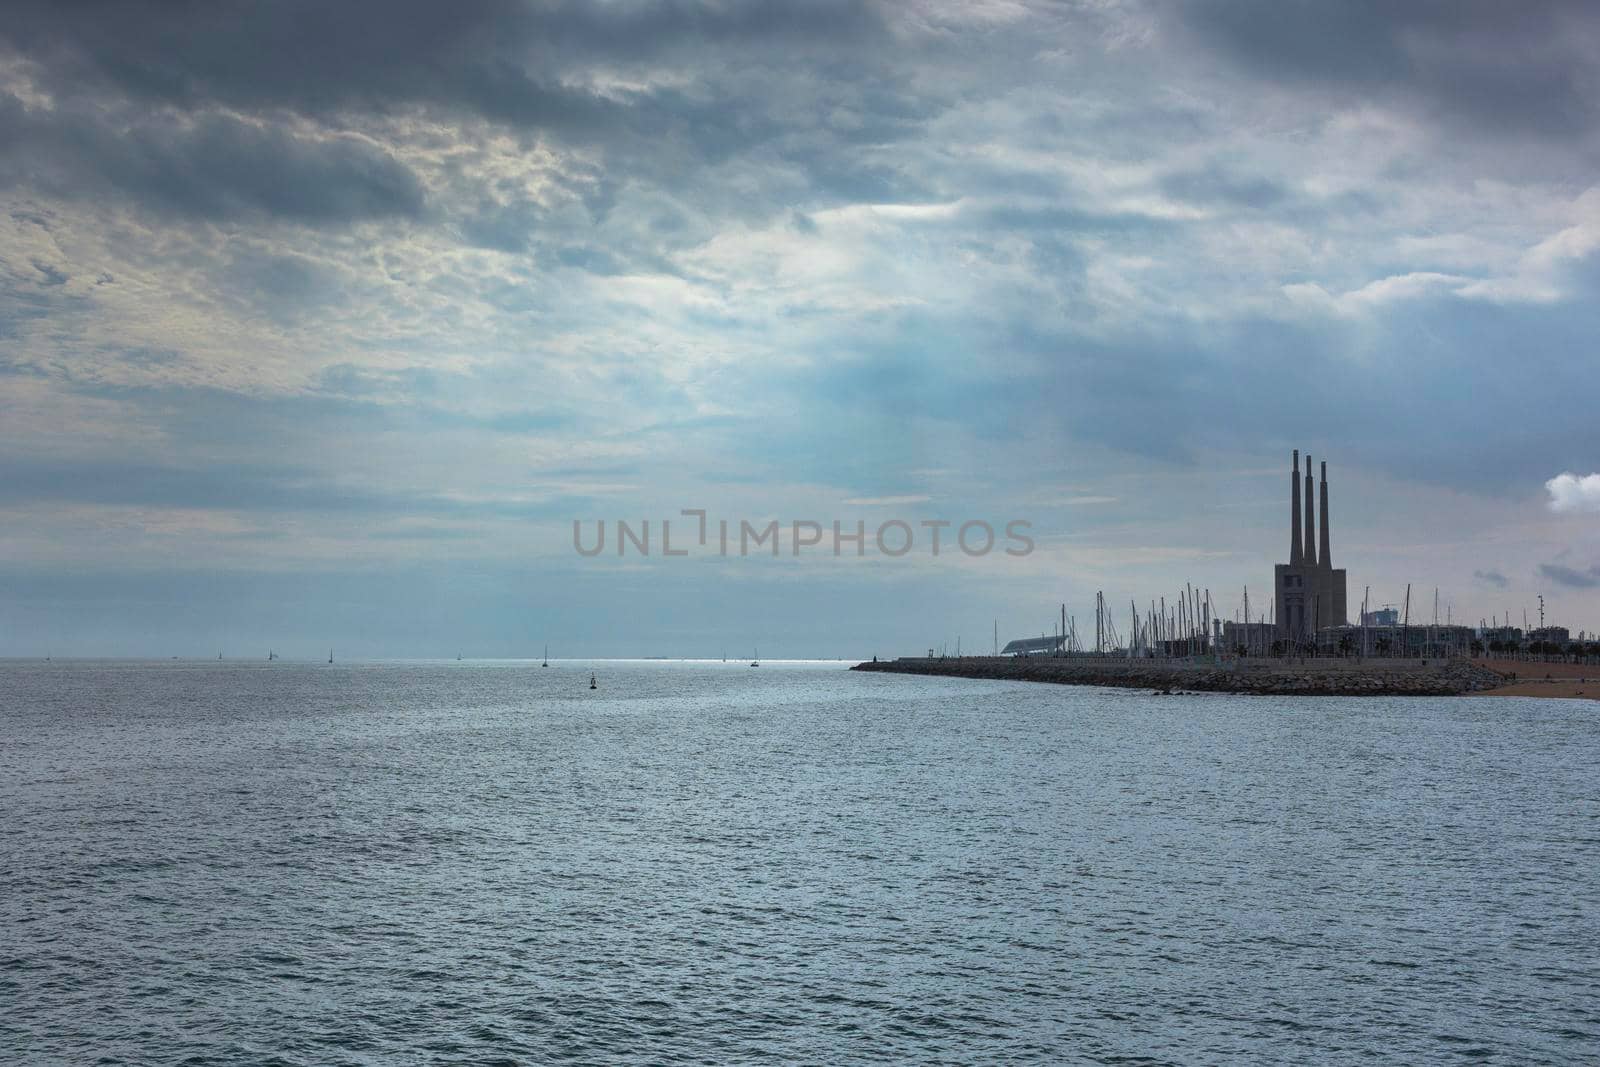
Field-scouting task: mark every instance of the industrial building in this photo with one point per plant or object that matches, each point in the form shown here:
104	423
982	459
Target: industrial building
1309	616
1309	592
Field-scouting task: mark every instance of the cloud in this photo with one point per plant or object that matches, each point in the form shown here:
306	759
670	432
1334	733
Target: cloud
561	67
1551	269
243	489
1574	494
1376	293
1459	61
1494	578
1546	272
1569	577
360	262
1215	183
210	166
52	276
886	501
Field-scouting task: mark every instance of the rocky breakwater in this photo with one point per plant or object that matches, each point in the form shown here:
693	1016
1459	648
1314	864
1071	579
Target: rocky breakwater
1330	677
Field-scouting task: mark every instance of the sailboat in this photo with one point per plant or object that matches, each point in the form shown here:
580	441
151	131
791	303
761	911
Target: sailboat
330	655
757	661
271	655
546	661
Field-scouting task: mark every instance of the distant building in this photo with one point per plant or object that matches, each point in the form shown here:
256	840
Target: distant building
1550	635
1033	646
1381	617
1179	647
1384	641
1507	637
1255	638
1309	593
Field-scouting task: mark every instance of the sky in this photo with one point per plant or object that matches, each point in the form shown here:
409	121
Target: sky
322	324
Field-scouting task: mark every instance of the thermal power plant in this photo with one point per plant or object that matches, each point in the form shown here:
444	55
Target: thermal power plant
1310	593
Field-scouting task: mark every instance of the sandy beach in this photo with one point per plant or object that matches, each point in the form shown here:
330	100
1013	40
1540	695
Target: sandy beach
1558	680
1564	688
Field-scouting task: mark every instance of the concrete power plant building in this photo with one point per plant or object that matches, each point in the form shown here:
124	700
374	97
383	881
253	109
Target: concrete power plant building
1309	592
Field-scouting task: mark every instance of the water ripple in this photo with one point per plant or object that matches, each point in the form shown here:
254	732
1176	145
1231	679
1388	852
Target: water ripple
489	864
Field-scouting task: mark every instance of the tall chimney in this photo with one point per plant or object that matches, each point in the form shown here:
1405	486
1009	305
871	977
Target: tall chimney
1310	558
1323	556
1294	513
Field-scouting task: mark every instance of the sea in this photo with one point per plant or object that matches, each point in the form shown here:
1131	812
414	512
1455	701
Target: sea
492	863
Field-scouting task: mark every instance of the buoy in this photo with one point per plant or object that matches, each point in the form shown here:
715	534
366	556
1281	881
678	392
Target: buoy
592	684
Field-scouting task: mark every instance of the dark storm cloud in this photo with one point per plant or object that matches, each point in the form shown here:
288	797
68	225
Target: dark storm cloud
52	276
1571	577
494	57
1494	578
1520	68
1167	392
214	166
198	109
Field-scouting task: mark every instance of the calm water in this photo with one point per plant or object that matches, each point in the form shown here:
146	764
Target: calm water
468	863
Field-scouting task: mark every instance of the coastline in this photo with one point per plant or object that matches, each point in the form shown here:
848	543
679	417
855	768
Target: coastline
1325	677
